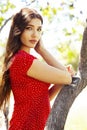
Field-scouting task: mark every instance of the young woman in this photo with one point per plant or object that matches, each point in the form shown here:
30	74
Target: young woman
27	77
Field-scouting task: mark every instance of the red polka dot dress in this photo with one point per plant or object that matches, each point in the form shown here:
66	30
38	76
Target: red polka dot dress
32	106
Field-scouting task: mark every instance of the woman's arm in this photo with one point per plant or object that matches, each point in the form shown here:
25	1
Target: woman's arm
46	73
47	56
53	62
54	90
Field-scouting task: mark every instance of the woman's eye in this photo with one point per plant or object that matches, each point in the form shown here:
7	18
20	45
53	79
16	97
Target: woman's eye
39	29
28	28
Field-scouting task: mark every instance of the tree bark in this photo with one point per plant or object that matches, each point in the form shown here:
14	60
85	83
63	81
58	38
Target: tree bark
67	95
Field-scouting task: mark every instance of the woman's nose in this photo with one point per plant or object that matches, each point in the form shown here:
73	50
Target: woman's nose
34	34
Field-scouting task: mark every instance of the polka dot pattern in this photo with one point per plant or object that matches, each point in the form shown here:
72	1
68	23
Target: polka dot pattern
32	106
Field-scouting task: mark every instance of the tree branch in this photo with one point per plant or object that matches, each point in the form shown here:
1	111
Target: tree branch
6	21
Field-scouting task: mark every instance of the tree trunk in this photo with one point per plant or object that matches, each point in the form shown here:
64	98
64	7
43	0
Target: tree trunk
67	95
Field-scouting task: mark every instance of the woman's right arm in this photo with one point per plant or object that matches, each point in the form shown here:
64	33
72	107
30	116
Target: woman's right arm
46	73
47	56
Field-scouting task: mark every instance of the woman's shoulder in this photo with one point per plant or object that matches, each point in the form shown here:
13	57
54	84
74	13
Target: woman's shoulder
22	57
22	60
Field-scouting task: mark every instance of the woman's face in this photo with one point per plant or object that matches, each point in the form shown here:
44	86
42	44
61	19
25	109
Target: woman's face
31	35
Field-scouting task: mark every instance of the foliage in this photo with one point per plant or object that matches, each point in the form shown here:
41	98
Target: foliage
49	12
4	8
69	55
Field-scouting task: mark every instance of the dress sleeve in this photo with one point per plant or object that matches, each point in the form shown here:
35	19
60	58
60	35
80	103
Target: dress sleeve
23	62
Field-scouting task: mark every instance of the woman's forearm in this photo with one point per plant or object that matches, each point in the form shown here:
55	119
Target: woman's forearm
54	90
51	60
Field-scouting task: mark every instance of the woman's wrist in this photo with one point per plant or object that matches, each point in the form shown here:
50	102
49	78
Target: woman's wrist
42	51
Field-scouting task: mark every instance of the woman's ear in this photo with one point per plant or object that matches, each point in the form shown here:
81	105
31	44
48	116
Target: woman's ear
16	31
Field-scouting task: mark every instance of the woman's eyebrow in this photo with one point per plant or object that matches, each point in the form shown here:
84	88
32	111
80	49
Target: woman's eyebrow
33	25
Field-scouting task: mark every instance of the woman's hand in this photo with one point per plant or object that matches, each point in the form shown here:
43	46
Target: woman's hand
39	46
70	70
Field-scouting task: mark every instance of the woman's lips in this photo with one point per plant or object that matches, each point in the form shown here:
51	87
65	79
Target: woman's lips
33	41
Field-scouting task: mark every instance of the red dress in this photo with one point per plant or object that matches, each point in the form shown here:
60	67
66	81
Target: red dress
32	106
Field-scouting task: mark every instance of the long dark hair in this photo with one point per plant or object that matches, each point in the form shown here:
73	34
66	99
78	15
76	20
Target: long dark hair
19	23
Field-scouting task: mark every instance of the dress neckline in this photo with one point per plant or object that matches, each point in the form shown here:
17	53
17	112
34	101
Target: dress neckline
23	51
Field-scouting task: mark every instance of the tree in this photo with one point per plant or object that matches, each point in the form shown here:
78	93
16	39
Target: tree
68	94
